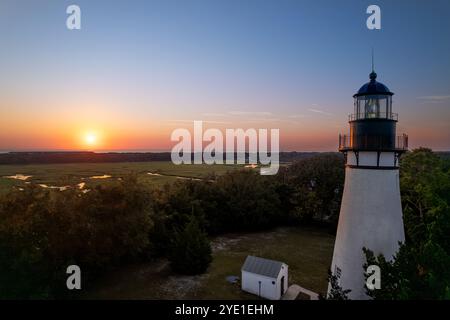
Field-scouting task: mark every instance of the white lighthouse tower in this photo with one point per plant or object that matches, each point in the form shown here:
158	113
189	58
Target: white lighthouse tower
371	211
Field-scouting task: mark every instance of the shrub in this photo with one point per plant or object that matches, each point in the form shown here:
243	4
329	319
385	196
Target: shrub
191	250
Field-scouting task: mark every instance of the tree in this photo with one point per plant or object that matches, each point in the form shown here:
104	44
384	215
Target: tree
42	232
318	183
336	292
191	250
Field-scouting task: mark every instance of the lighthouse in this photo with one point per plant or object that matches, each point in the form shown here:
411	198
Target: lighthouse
371	211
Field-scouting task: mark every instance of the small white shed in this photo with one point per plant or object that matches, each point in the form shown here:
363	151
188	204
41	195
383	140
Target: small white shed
265	278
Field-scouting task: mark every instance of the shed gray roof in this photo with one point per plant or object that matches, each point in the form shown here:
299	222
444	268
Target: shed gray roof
261	266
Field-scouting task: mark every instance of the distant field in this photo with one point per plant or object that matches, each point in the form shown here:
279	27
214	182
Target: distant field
59	175
307	251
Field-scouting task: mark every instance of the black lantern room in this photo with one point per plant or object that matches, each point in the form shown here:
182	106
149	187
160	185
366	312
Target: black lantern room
373	124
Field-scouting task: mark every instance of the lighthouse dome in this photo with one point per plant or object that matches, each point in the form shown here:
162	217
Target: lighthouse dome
373	87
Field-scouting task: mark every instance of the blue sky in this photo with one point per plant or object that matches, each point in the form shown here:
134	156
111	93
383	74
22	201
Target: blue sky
138	69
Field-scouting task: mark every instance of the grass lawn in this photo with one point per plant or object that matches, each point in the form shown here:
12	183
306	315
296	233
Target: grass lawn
307	251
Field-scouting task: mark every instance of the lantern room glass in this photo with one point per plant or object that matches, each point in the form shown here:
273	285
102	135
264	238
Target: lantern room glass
373	106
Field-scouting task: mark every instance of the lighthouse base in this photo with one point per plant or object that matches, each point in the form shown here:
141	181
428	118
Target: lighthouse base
370	217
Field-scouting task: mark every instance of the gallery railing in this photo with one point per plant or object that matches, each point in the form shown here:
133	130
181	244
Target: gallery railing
347	142
373	115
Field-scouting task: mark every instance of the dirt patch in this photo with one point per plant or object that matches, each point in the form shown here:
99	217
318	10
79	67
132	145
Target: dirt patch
183	287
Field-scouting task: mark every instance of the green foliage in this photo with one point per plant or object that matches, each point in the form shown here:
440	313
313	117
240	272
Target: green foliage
44	231
190	250
336	292
249	198
301	193
243	196
420	269
425	187
317	185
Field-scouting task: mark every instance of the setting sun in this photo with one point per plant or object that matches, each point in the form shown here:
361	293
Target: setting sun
90	139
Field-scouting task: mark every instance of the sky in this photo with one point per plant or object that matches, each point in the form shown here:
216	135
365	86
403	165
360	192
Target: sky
137	70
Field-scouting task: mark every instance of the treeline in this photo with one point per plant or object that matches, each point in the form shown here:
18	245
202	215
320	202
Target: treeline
20	158
44	231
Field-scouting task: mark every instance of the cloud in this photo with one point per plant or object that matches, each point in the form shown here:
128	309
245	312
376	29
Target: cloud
296	116
213	114
434	99
204	121
217	122
320	111
254	113
262	120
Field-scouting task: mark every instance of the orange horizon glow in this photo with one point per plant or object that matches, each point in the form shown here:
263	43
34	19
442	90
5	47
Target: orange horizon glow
306	136
102	124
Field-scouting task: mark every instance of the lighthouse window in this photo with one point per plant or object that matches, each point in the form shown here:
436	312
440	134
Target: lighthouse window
373	106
